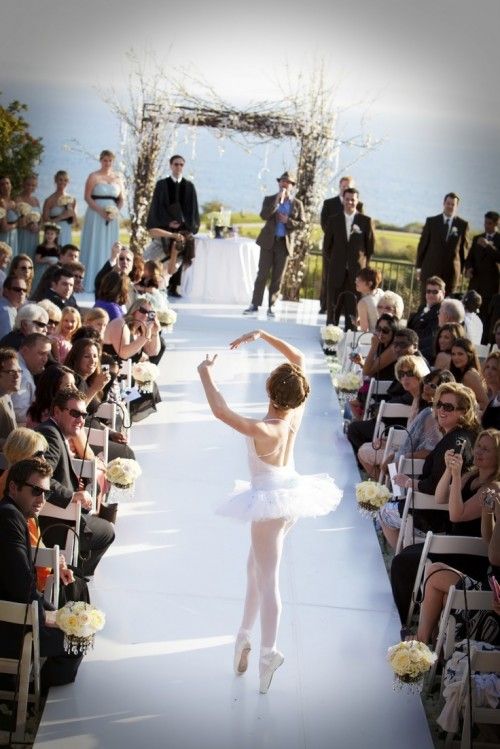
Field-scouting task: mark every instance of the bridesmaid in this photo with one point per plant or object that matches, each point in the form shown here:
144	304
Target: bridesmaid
28	227
104	194
61	208
8	215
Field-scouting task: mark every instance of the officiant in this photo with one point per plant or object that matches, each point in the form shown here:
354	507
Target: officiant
174	219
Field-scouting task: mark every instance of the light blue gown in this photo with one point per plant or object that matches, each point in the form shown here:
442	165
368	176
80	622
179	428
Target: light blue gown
65	228
28	240
11	236
98	236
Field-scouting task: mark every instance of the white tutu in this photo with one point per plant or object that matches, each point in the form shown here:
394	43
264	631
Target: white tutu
286	495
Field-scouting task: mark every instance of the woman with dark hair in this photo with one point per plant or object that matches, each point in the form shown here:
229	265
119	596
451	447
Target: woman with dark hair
446	336
368	281
113	294
382	355
85	361
277	496
466	369
53	378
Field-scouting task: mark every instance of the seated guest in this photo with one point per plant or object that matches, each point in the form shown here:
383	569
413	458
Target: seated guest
33	356
491	374
465	495
473	325
22	267
78	272
466	368
61	289
113	294
425	320
69	254
68	413
61	341
381	357
391	303
446	336
5	258
27	486
30	318
54	314
368	281
97	319
121	261
84	360
13	296
410	372
10	382
135	334
451	310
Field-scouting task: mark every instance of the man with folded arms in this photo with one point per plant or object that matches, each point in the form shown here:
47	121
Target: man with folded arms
33	356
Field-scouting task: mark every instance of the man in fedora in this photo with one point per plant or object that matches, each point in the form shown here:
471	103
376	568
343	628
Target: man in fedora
283	215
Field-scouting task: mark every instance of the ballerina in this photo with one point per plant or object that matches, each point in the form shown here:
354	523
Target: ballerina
276	497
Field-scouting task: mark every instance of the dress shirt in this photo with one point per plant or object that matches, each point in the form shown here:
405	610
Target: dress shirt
285	207
348	223
26	395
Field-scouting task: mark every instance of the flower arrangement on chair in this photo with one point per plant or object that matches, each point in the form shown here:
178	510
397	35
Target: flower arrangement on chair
410	660
122	474
145	373
167	317
344	383
79	621
331	335
371	496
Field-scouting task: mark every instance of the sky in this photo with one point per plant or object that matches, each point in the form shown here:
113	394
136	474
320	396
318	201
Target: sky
428	66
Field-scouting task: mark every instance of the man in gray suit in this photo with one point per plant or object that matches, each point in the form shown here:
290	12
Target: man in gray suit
283	215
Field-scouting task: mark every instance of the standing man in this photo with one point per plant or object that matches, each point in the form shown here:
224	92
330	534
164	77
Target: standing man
331	207
283	214
442	246
173	211
481	267
348	245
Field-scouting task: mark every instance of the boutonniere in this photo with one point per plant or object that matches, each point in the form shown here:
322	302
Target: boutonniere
453	231
355	229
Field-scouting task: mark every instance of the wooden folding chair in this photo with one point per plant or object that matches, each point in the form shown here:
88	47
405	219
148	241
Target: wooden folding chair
28	663
437	544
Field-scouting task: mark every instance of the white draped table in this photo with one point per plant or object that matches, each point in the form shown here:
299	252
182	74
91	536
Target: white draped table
223	271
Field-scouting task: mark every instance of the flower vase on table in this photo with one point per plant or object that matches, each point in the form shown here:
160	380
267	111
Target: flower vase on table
410	660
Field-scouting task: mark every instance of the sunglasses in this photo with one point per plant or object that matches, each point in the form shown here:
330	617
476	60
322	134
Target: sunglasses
37	491
39	324
382	330
143	310
431	385
432	291
75	413
406	373
19	289
447	407
53	322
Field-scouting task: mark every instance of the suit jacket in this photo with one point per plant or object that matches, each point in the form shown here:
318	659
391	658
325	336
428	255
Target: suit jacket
331	207
64	481
438	256
296	219
425	324
484	263
352	252
164	207
7	417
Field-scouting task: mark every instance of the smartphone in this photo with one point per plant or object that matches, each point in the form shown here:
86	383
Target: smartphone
495	587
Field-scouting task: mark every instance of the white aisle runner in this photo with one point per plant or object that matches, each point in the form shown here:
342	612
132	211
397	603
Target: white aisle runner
173	585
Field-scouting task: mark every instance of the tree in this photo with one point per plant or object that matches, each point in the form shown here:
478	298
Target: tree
20	152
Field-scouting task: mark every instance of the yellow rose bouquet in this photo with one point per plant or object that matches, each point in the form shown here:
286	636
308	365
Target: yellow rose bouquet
167	317
410	660
79	621
145	373
371	496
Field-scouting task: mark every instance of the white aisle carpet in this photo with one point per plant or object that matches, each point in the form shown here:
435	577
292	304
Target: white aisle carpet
173	585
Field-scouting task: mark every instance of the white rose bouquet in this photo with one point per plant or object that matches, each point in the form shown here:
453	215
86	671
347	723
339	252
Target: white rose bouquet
371	496
79	621
112	212
410	660
167	317
145	373
348	381
123	472
331	333
23	209
34	217
65	200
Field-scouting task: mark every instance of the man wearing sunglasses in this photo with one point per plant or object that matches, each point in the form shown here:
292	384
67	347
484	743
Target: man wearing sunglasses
13	296
67	419
425	321
27	489
30	318
174	209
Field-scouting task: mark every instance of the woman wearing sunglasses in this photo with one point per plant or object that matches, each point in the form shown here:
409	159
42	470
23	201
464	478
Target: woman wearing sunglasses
466	369
22	267
382	356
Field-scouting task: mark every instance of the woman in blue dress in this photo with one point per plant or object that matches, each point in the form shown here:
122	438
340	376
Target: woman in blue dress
30	214
104	195
61	208
8	215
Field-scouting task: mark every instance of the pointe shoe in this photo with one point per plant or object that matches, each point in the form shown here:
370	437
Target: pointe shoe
267	667
242	650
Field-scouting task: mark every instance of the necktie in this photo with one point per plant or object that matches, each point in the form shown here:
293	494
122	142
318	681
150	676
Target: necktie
448	227
176	191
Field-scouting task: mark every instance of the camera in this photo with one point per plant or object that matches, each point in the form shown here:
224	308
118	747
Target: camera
460	445
151	315
105	368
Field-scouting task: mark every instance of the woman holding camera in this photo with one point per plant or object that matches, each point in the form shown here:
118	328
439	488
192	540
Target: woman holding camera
135	336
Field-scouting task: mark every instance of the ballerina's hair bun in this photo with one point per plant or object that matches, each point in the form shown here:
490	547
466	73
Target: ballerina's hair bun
287	386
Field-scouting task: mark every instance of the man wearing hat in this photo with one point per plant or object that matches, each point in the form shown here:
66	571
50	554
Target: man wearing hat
283	215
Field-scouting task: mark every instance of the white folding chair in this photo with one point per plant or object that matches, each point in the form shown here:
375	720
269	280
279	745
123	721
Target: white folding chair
472	600
98	438
87	469
376	387
395	439
418	501
482	350
71	514
481	662
361	347
48	557
126	369
438	544
28	663
390	411
107	411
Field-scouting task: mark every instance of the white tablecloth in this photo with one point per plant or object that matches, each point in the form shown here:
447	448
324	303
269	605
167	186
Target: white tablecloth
223	271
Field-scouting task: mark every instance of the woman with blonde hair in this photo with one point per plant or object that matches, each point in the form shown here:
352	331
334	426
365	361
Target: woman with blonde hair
61	341
54	312
97	319
5	258
391	303
136	334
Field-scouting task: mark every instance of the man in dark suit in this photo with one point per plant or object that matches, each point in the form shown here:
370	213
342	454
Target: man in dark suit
442	247
349	243
331	207
28	484
174	210
284	215
482	267
67	418
425	321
